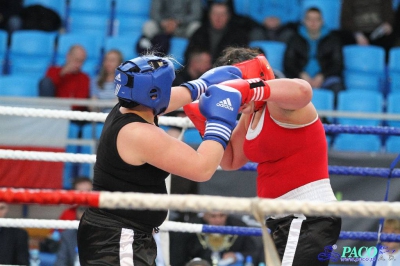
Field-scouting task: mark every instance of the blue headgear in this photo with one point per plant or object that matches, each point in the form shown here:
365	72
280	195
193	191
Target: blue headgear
145	80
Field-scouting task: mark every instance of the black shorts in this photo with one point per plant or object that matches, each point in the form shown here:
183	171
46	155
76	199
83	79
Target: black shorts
303	249
114	246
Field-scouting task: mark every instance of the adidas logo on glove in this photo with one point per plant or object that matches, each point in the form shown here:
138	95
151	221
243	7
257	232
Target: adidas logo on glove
225	104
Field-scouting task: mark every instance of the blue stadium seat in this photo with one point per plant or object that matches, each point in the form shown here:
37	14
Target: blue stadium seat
129	8
19	86
177	50
89	24
90	17
242	7
286	11
394	81
59	6
92	45
393	107
129	17
360	80
360	101
323	100
3	50
274	51
357	143
392	144
330	10
70	171
192	136
130	26
85	169
394	69
125	44
356	58
356	67
394	59
34	58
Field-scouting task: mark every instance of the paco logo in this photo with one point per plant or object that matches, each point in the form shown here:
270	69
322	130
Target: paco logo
354	254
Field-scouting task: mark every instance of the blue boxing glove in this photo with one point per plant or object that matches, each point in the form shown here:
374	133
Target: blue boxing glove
213	76
220	106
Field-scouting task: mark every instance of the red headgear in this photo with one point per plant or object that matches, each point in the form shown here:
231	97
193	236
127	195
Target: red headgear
256	68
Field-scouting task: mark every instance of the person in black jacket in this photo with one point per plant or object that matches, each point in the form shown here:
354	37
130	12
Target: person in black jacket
219	32
14	248
315	54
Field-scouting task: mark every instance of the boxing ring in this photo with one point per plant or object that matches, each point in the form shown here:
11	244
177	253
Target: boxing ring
254	206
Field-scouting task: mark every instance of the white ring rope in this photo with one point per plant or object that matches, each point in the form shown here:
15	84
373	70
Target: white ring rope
47	156
202	203
68	102
73	224
183	122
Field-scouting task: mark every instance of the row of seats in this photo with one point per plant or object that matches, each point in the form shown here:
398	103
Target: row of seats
364	66
119	17
45	49
293	10
104	18
360	101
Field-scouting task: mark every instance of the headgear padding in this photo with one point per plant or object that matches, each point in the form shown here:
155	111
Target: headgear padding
146	80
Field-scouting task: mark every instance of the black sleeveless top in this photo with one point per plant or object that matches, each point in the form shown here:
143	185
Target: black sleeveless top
111	173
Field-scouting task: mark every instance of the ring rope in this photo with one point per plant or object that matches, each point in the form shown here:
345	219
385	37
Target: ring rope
91	158
183	122
201	203
173	226
68	102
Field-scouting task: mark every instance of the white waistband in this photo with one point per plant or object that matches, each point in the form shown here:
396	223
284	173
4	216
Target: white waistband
320	190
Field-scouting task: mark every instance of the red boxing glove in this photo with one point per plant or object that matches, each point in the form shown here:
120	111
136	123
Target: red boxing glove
257	67
193	112
251	89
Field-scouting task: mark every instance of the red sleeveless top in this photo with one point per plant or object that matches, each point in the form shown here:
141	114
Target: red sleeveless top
287	158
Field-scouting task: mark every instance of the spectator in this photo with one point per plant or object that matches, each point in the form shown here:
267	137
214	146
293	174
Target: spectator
14	249
198	62
367	22
272	29
390	250
39	17
277	20
80	183
10	15
178	17
219	32
169	18
67	253
185	247
103	86
315	54
397	27
67	81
